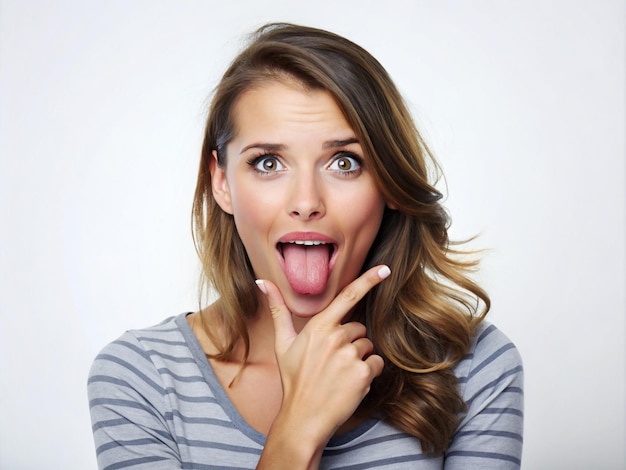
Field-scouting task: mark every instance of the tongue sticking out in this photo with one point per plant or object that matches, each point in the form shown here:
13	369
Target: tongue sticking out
306	267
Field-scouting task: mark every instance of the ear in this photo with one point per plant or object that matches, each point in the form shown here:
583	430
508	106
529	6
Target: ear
219	185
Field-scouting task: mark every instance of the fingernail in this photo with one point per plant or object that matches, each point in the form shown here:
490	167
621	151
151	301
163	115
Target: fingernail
261	285
384	271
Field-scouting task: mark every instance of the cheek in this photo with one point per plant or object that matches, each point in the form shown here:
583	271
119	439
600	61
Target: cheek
252	212
368	213
365	217
246	211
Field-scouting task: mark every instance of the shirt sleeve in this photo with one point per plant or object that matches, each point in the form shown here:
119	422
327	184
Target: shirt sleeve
129	411
490	434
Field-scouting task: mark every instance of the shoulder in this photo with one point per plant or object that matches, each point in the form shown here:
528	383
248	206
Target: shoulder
129	396
492	367
138	342
134	359
491	382
492	355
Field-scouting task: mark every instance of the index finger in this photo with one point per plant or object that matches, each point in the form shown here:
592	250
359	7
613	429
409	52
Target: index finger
352	293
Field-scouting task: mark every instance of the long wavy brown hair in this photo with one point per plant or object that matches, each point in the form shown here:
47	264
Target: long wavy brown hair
422	318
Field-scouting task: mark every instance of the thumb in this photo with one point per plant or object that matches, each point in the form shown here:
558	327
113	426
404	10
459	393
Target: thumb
284	332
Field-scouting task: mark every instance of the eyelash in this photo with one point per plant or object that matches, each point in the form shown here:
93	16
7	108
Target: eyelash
352	156
256	159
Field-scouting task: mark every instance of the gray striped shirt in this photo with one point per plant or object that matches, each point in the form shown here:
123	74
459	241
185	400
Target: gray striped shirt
156	404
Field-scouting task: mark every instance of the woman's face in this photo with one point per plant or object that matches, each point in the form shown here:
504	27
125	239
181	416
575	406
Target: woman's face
300	189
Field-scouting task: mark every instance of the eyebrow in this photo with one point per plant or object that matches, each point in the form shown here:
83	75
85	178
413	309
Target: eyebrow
340	143
263	146
269	147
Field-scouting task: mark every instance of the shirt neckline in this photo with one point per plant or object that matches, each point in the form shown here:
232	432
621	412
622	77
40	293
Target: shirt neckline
229	408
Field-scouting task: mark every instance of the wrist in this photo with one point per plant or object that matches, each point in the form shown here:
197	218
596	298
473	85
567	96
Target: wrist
291	445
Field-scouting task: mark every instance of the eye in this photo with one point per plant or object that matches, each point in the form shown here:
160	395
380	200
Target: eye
266	163
346	163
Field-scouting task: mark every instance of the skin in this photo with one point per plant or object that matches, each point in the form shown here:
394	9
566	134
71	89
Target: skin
307	189
327	366
295	166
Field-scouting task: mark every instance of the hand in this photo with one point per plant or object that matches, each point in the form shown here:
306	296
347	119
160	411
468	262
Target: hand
327	368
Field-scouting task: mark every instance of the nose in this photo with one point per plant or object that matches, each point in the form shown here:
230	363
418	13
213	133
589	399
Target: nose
306	201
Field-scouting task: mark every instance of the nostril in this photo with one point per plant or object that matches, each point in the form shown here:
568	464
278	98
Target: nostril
306	214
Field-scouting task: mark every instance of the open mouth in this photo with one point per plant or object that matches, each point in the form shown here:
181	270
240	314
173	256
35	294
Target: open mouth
305	244
307	264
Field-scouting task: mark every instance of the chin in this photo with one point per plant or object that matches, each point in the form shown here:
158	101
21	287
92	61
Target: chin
307	306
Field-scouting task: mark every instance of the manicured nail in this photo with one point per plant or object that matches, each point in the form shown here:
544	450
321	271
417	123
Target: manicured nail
384	271
261	285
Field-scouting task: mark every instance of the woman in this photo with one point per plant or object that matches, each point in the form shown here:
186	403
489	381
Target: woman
362	342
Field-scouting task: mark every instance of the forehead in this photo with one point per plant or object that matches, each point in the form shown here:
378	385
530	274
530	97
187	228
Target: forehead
277	107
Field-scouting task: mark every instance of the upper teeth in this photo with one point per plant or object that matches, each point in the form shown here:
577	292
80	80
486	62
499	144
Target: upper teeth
307	242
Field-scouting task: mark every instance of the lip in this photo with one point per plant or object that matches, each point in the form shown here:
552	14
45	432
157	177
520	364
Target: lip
294	237
306	236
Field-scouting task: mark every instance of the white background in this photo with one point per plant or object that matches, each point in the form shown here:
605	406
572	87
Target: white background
102	107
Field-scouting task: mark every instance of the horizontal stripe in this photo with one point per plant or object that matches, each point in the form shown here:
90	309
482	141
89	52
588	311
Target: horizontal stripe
109	423
162	341
483	455
133	347
490	359
181	378
490	329
369	442
149	353
492	386
503	411
154	398
218	445
188	398
488	432
201	466
386	461
107	379
126	443
131	368
198	420
134	462
120	404
112	423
